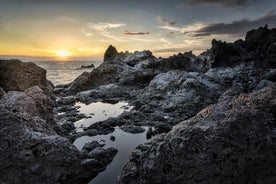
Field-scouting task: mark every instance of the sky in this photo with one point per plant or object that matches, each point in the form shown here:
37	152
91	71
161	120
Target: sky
83	29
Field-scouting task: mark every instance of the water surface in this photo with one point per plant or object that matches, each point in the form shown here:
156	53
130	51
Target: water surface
64	72
99	111
124	142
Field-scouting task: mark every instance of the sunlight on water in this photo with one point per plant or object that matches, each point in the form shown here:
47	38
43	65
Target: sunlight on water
64	72
124	142
100	111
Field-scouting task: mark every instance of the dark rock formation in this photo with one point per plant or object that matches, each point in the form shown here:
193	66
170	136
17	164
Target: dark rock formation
258	47
44	103
31	148
232	141
32	152
86	66
110	53
19	76
91	146
132	129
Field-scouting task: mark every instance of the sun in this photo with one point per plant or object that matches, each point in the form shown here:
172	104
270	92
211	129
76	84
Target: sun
63	53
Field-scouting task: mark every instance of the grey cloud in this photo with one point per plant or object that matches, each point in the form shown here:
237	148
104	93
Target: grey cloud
136	33
237	27
164	21
223	3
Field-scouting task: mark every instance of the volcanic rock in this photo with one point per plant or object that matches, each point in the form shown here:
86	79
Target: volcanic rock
16	75
228	142
110	53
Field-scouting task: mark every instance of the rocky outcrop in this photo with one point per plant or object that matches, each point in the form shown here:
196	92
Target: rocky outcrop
258	47
92	66
38	155
228	142
31	148
44	103
32	151
110	53
16	75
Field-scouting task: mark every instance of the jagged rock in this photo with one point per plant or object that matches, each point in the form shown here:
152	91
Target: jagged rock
66	100
106	73
132	59
225	54
28	156
104	92
44	104
91	145
180	94
258	47
19	102
110	53
228	142
68	126
16	75
2	92
105	155
132	129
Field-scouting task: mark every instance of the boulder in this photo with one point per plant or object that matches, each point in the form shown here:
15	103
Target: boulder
16	75
44	103
19	102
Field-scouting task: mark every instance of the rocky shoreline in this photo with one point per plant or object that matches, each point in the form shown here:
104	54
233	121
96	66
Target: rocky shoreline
212	116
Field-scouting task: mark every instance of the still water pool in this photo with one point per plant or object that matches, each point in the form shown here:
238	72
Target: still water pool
124	142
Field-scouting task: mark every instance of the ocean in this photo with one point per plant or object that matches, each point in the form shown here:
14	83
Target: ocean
64	72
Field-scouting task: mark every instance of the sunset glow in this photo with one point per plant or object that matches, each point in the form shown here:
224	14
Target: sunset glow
63	53
84	29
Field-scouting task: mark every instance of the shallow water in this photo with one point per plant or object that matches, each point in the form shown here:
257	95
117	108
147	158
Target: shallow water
99	112
124	142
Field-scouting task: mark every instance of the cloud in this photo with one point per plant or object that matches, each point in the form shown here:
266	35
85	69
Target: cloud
86	32
164	21
136	33
106	30
237	27
104	26
103	29
173	27
223	3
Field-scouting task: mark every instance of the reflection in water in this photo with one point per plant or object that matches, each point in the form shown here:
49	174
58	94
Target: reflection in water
99	111
124	142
